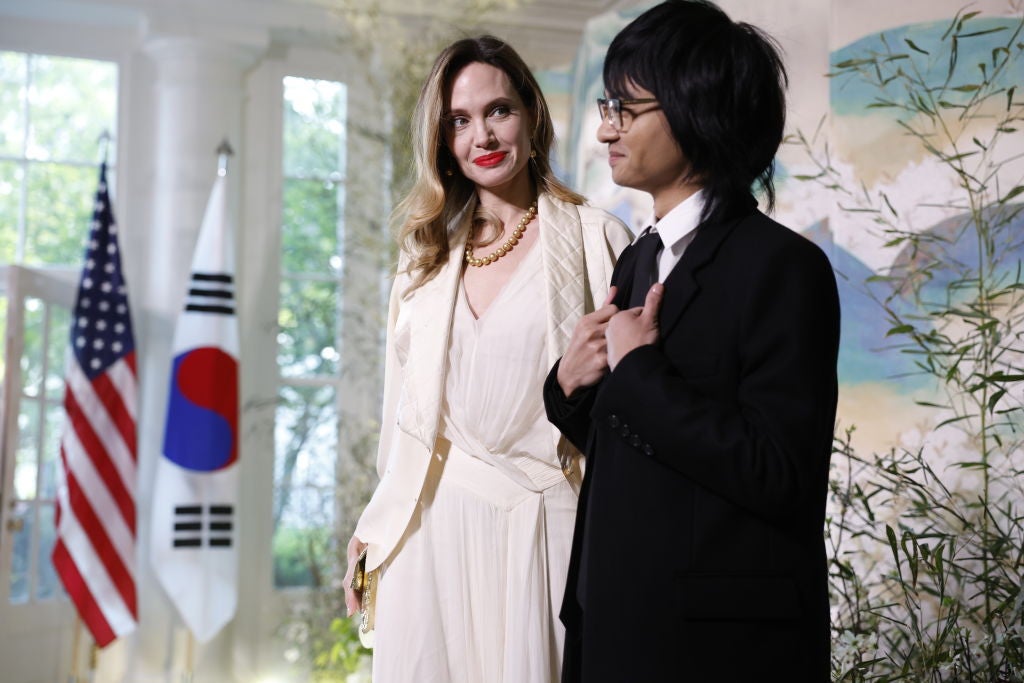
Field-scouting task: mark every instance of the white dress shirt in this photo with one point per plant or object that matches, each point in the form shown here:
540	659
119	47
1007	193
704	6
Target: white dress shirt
676	229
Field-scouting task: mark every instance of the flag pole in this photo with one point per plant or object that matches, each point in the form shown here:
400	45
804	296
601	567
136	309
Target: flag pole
76	638
188	676
104	141
94	655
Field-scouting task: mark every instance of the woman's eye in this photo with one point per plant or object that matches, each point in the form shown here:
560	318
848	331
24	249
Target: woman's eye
459	122
501	111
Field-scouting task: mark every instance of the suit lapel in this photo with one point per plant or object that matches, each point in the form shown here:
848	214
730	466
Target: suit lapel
682	283
424	370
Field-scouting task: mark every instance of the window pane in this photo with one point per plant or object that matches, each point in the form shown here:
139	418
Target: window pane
26	465
306	434
21	544
57	349
314	127
72	102
32	353
12	104
308	323
48	586
11	177
51	451
59	212
310	226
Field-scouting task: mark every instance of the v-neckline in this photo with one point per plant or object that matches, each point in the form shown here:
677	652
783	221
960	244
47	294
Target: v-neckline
501	292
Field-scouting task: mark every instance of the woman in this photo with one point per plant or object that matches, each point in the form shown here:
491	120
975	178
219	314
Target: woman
471	524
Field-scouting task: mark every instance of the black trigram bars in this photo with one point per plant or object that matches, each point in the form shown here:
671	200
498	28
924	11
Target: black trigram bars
194	527
211	293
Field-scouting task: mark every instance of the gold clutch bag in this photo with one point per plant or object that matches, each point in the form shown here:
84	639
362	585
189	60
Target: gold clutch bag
365	583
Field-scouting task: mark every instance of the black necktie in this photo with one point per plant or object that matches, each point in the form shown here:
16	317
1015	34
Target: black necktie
645	271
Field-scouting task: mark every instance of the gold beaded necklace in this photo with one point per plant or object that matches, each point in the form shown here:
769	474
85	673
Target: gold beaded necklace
506	246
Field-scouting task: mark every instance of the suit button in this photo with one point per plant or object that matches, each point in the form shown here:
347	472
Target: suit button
625	431
613	421
648	449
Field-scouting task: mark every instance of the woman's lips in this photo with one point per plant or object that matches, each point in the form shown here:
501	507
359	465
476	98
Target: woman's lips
491	159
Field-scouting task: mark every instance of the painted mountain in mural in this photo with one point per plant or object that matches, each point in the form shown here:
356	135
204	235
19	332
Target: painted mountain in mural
866	354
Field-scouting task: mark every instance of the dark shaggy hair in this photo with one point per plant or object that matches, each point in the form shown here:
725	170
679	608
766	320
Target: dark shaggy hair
722	87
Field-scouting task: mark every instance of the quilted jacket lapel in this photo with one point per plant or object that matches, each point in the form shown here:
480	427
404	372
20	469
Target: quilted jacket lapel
561	241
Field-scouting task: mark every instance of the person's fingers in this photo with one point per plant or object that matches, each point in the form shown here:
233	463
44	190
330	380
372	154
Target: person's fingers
652	304
611	296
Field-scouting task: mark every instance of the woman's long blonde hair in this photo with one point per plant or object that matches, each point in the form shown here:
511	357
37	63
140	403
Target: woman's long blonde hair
442	200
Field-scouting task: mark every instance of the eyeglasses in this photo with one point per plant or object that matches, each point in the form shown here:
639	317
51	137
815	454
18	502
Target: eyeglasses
612	112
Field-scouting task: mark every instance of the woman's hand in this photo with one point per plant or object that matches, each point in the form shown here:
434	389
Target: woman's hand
352	598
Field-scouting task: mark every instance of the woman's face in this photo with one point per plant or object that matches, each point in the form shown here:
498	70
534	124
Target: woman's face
487	128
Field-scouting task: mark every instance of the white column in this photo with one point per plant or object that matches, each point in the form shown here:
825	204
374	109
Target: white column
198	100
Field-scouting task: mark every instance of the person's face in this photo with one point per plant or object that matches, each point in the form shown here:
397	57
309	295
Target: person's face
487	127
645	155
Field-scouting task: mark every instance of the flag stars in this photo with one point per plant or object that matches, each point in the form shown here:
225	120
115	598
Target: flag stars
106	287
95	363
109	268
80	342
83	322
121	308
87	283
98	344
101	325
116	347
90	263
111	248
119	328
104	306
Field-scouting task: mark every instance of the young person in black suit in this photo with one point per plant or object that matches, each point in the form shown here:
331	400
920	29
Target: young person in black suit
705	403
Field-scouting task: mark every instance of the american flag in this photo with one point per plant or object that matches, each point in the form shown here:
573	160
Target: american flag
94	554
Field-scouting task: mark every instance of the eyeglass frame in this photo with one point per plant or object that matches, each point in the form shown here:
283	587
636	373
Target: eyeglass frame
610	109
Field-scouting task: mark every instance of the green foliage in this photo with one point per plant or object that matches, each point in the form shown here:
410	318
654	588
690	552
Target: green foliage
926	545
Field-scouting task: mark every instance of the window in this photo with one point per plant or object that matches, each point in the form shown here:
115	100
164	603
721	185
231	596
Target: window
52	112
310	322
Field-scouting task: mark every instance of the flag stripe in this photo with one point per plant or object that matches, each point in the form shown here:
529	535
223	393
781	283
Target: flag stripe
79	466
107	393
224	310
104	428
92	571
92	453
120	575
88	610
213	277
215	293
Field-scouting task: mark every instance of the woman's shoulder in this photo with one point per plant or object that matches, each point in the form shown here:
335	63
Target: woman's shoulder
591	217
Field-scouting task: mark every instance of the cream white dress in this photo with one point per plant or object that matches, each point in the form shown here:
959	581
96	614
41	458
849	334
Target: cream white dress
472	593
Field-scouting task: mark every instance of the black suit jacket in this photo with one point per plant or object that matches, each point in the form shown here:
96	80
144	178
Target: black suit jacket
699	551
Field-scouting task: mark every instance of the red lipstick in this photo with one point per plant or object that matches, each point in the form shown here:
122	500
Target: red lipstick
492	159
